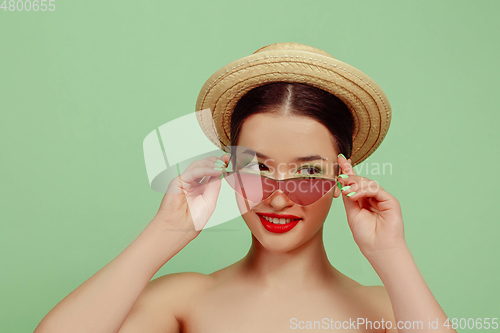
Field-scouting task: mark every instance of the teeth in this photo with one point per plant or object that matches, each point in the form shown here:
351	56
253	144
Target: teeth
276	220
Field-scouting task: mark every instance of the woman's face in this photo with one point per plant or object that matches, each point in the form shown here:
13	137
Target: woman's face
283	140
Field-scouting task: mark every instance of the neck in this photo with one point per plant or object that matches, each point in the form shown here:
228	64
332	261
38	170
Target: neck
305	266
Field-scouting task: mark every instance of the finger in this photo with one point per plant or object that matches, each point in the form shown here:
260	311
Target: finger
190	176
212	188
366	194
203	162
346	180
345	164
200	172
212	161
226	158
352	207
369	189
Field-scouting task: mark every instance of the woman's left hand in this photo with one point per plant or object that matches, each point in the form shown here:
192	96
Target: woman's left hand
373	214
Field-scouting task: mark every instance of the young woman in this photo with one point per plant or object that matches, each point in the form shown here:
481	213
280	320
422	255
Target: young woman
302	117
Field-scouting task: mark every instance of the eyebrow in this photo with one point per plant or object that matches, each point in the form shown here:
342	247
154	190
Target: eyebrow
297	159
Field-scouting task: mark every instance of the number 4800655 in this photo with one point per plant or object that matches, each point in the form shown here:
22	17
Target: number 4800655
28	5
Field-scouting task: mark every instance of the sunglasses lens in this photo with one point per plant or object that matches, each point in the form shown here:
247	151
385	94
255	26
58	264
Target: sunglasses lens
303	192
249	186
243	173
307	191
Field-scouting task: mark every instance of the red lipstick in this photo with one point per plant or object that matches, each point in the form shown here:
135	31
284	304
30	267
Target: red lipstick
278	228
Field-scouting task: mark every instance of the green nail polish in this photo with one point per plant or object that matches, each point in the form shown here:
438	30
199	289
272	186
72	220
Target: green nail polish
219	162
219	169
343	176
221	176
350	194
339	185
345	188
342	156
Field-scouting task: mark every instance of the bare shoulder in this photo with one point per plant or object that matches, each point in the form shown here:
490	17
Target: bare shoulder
378	298
163	300
173	291
176	280
376	294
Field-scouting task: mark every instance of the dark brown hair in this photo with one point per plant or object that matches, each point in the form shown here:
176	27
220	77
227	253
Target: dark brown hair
299	100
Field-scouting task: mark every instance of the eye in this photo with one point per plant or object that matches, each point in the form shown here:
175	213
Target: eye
255	167
310	170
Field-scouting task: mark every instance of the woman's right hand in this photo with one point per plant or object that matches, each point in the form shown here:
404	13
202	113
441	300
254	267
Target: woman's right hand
188	204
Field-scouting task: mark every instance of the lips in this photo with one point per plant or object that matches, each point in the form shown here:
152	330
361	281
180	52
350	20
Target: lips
279	228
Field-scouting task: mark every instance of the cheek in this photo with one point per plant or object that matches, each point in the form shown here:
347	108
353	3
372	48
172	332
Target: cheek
318	211
251	219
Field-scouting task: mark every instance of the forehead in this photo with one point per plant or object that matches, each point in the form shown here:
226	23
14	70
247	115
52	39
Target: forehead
284	137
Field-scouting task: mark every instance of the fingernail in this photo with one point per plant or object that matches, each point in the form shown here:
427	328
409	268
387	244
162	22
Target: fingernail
345	188
350	194
219	169
343	176
339	185
220	163
221	176
342	156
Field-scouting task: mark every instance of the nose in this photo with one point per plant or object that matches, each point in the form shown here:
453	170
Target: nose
279	200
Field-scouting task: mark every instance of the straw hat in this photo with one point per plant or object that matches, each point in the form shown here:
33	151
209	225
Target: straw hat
294	62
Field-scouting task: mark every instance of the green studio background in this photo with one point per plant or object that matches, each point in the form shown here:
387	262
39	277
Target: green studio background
81	87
